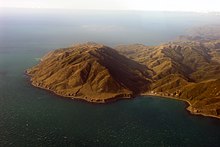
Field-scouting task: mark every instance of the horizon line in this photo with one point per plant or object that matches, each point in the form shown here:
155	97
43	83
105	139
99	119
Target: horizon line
46	8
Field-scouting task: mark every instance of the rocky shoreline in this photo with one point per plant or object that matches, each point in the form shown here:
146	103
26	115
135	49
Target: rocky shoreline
192	110
98	101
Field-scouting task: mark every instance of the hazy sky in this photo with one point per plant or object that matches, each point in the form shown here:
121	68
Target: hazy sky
170	5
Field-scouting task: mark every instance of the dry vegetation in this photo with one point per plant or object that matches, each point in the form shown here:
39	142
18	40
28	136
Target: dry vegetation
187	69
90	71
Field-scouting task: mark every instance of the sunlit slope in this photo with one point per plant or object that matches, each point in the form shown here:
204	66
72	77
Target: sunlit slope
90	71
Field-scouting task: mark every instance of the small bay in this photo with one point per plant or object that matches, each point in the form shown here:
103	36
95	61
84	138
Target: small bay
34	117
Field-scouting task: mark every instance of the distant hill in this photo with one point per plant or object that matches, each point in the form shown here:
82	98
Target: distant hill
208	31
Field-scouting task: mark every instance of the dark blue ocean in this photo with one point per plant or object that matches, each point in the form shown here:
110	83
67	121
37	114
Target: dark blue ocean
34	117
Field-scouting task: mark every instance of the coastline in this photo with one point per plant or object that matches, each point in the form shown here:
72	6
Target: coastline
120	97
104	101
189	108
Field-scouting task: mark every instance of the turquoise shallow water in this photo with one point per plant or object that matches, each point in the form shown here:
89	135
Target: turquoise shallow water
34	117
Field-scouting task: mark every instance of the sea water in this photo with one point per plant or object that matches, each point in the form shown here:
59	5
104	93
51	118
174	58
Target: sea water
34	117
